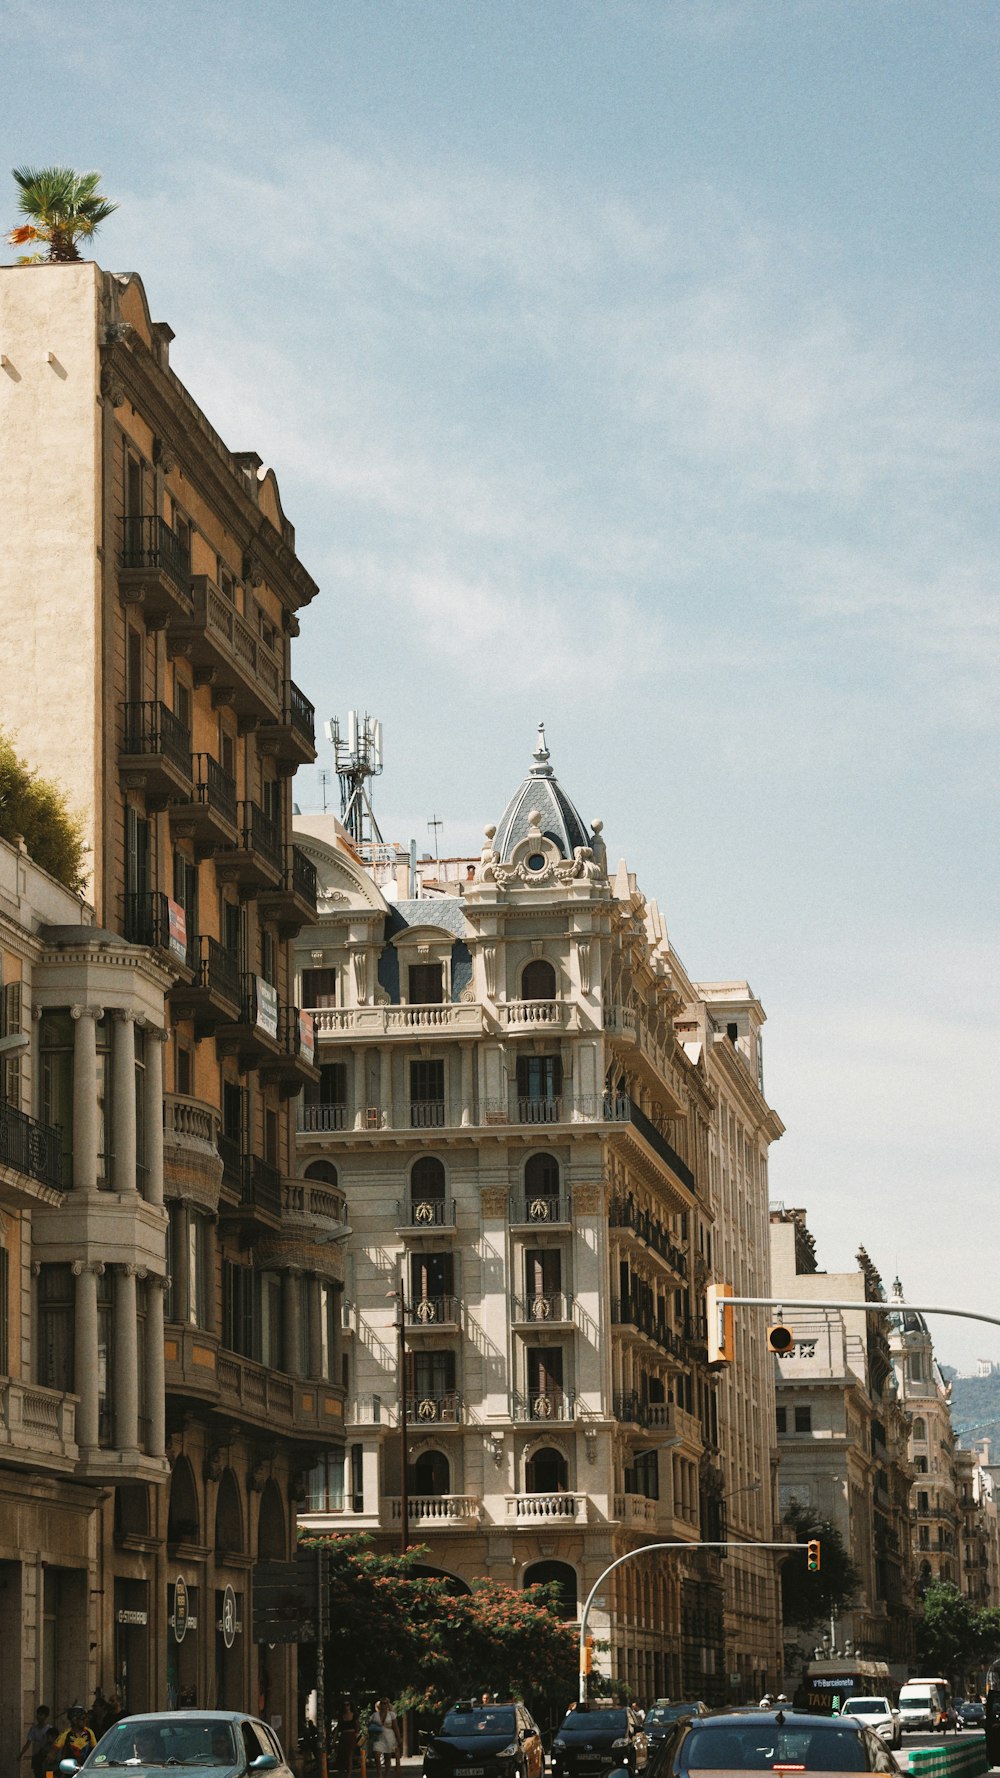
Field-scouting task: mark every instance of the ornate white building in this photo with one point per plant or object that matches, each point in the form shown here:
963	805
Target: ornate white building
524	1101
935	1509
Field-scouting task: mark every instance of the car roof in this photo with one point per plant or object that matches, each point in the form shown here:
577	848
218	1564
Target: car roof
752	1718
188	1716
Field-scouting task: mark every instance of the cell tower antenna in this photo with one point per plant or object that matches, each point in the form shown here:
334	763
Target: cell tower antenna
357	758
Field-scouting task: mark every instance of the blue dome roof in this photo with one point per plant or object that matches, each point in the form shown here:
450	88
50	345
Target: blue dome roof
560	821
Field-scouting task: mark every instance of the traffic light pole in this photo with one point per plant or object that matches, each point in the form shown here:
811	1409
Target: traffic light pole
649	1549
892	1307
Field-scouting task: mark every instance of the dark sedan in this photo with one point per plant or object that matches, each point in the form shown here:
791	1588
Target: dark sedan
595	1738
661	1716
485	1741
784	1741
971	1714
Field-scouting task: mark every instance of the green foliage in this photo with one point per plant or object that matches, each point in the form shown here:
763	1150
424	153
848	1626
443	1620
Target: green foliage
953	1637
63	207
809	1599
36	809
395	1630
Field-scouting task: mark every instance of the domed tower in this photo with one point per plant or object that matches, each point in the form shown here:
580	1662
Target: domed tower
541	835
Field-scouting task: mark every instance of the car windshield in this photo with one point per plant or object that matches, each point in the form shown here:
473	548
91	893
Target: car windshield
916	1700
182	1741
667	1713
479	1722
865	1707
766	1747
595	1722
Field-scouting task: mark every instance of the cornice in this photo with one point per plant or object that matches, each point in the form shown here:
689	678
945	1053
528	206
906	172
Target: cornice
92	957
174	415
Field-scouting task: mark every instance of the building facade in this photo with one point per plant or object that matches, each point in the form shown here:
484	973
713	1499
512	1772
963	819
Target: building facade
980	1542
842	1440
149	591
935	1507
524	1143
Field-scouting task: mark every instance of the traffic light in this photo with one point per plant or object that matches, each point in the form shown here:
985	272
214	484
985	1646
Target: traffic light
812	1555
587	1654
780	1339
720	1325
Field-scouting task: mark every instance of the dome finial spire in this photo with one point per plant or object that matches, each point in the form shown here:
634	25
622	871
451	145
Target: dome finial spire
541	767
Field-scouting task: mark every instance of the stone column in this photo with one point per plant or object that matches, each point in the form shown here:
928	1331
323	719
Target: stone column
126	1347
360	1093
85	1101
211	1273
85	1352
467	1060
123	1141
291	1305
385	1084
315	1331
182	1262
152	1110
155	1393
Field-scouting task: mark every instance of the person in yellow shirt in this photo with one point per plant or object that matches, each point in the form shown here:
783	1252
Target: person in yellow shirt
76	1741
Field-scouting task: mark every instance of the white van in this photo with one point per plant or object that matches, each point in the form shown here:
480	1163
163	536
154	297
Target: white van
924	1704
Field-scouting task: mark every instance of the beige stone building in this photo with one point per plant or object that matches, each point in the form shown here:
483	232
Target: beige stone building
149	591
527	1147
842	1438
980	1536
935	1507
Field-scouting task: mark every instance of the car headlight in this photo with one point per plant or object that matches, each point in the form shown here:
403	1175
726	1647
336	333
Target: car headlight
558	1746
510	1752
623	1741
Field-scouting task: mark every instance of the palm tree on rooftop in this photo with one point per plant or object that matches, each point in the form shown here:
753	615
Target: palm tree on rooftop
63	207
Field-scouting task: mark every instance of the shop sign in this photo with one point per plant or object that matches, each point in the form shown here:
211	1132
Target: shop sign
228	1624
307	1036
180	1619
177	929
135	1618
267	1007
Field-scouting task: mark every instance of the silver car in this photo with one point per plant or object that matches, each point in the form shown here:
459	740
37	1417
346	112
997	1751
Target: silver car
879	1715
218	1743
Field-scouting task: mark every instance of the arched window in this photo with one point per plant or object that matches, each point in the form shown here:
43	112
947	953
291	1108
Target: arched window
323	1171
427	1178
431	1474
541	1176
920	1429
228	1517
558	1574
271	1525
546	1472
183	1518
538	980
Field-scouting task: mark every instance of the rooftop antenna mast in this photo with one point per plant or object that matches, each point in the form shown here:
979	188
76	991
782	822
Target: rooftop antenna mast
357	758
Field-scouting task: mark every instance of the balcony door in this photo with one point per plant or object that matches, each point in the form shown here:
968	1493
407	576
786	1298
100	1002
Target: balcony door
545	1378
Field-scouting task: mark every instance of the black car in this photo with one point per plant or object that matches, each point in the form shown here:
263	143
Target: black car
485	1741
594	1738
769	1741
971	1714
661	1716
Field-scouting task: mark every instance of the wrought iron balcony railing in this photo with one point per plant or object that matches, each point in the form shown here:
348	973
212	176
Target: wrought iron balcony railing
31	1147
148	542
152	730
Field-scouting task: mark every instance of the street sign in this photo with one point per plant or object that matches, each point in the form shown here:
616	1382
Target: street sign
290	1600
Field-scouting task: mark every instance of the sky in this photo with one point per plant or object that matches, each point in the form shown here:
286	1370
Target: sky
630	366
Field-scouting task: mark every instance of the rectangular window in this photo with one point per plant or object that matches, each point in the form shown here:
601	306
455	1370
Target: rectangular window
227	751
781	1419
803	1419
133	486
539	1087
431	1275
268	957
433	1375
54	1351
542	1273
56	1069
357	1479
241	1309
183	1071
545	1371
426	1094
105	1357
319	987
326	1484
425	984
182	700
142	1171
10	1026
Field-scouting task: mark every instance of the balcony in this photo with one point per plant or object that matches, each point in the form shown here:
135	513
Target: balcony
155	755
316	1119
227	653
293	1067
255	1037
635	1510
190	1124
152	919
640	1319
31	1165
254	1185
208	817
353	1024
647	1231
317	1211
546	1509
293	903
154	571
292	737
658	1416
426	1214
455	1512
547	1404
215	996
540	1210
552	1306
255	862
629	1031
533	1015
37	1426
434	1410
428	1114
433	1313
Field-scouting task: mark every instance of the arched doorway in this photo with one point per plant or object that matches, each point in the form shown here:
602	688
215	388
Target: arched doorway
430	1475
546	1472
271	1547
184	1601
230	1595
558	1574
538	980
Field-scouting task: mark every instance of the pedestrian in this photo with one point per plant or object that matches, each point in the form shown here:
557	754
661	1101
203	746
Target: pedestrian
100	1714
36	1741
384	1730
347	1736
76	1741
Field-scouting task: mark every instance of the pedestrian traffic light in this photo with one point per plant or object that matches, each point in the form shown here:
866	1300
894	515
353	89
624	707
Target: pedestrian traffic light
780	1339
587	1654
720	1325
812	1555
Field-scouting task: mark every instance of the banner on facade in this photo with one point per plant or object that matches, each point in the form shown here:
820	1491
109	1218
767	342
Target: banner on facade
177	929
267	1007
307	1036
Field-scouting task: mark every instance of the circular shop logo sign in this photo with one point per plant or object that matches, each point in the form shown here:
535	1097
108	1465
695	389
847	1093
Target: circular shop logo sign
229	1617
181	1611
